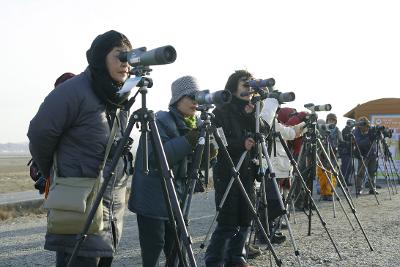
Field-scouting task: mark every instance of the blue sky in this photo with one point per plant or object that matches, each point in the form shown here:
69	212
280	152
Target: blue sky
338	52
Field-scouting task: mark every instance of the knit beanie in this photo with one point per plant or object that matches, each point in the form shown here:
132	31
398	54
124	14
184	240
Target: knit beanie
184	86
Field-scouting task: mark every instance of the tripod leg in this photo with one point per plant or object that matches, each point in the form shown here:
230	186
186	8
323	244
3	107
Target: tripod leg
340	176
117	154
308	192
265	153
168	184
336	195
221	204
345	194
244	193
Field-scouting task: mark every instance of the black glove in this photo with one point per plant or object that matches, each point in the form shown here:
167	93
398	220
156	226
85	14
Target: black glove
41	184
37	177
192	137
213	151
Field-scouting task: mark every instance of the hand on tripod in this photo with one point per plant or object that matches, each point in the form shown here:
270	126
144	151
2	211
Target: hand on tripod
300	129
192	137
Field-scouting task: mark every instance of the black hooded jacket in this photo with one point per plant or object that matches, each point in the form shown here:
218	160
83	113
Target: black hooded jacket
237	126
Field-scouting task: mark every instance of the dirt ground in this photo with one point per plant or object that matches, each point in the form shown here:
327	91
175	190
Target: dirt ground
14	174
22	239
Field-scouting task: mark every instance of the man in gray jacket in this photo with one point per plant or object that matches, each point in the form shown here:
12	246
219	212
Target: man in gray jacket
74	123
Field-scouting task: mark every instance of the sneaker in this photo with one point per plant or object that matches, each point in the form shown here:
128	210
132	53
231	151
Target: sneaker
278	239
253	251
359	192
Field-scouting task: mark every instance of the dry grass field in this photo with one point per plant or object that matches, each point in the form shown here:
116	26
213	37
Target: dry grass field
14	174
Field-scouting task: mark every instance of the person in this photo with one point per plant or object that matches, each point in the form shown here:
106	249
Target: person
365	140
275	117
296	145
237	120
333	138
346	152
179	134
279	160
73	124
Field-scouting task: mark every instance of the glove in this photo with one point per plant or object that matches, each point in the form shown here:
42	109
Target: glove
37	177
41	184
192	137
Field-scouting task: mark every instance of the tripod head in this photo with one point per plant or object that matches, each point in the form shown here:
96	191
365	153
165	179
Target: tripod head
205	115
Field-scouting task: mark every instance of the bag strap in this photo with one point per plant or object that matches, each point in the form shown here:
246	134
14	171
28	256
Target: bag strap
108	148
110	140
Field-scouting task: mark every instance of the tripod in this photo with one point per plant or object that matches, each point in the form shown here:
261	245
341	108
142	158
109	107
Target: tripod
381	142
236	178
335	194
201	154
345	192
388	157
262	150
310	151
364	166
348	172
147	120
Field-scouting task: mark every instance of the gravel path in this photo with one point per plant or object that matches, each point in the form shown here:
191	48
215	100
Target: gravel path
21	239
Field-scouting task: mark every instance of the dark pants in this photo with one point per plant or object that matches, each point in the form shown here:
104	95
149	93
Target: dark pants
62	259
371	166
227	246
155	235
346	167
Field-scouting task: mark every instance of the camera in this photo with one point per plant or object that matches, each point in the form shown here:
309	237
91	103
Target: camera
282	97
325	128
260	83
219	97
142	57
380	129
361	123
313	108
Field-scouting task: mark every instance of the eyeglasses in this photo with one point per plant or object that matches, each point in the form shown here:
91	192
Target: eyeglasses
192	97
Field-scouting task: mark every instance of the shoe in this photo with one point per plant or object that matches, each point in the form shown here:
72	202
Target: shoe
242	264
359	192
253	251
371	192
278	239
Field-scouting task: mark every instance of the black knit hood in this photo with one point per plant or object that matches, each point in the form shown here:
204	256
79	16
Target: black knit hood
104	86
